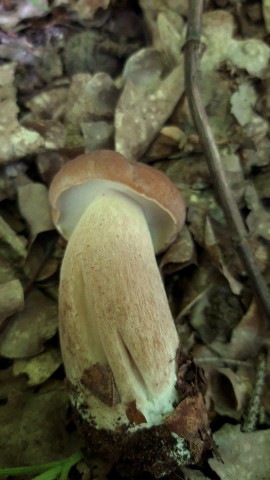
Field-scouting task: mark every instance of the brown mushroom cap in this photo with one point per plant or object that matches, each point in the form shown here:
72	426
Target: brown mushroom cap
79	181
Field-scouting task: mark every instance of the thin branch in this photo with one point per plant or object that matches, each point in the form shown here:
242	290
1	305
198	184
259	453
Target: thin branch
253	410
217	361
232	213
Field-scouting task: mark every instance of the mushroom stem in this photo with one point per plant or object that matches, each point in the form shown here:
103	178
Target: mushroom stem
118	337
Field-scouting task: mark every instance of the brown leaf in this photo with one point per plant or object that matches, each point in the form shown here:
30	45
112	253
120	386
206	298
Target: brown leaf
189	421
100	381
134	415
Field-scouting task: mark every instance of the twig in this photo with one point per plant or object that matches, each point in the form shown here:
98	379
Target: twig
233	216
224	361
253	409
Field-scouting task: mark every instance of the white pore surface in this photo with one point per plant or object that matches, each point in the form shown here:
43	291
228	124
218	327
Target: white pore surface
74	202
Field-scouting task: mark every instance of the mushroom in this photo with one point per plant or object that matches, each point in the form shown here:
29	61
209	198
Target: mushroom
118	338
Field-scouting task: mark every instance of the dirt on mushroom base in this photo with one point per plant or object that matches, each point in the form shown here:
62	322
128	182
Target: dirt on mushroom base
183	439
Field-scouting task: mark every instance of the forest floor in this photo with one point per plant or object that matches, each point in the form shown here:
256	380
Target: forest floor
76	76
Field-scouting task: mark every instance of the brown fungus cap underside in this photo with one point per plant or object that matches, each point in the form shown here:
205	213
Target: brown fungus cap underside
139	180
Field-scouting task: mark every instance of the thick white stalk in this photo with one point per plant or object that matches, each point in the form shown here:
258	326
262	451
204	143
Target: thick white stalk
114	312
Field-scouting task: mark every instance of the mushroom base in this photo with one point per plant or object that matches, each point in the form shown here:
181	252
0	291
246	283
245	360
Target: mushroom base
155	450
183	438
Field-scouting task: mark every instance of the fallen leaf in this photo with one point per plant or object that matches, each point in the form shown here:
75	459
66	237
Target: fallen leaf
247	337
33	429
90	98
266	14
243	102
229	392
172	35
87	8
245	456
35	208
12	246
38	264
144	67
140	114
97	135
216	314
193	475
82	54
27	331
181	253
15	140
38	368
49	104
11	299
